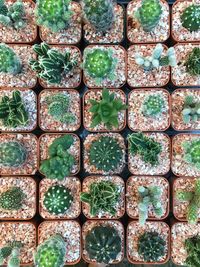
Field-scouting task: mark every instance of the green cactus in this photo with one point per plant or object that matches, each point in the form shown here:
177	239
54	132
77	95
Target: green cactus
103	244
153	105
14	259
190	18
58	199
192	62
191	110
55	15
12	154
99	14
192	152
103	196
9	61
151	246
12	199
11	252
105	154
149	14
192	246
51	65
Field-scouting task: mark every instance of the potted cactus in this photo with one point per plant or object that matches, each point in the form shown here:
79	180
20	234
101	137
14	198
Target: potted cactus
149	110
18	154
104	110
59	110
148	21
59	23
63	239
103	197
185	21
103	241
60	199
104	66
17	23
186	155
148	244
103	21
149	153
186	109
148	65
147	198
104	153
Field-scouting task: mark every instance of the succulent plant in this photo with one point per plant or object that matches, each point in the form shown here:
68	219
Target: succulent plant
192	152
151	246
14	259
106	110
192	62
13	112
105	153
100	64
156	60
191	110
192	246
103	196
103	244
190	18
58	199
153	105
12	154
99	14
51	253
149	14
11	252
9	61
51	64
150	195
12	199
146	147
55	15
60	161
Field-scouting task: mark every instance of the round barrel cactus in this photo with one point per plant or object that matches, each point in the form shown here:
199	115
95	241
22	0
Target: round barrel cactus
190	18
12	199
192	152
153	105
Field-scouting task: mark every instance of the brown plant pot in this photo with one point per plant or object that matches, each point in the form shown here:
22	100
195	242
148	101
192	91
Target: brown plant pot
96	94
147	123
57	126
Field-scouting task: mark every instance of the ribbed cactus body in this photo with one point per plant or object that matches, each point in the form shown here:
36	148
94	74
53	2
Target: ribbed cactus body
191	110
153	105
12	199
190	18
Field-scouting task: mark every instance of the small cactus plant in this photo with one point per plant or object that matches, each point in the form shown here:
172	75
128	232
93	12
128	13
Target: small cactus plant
9	61
103	244
149	14
192	246
153	105
191	110
192	152
192	62
12	199
190	18
11	252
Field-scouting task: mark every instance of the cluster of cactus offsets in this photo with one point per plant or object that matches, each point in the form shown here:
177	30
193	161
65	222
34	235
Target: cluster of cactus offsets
192	152
103	244
151	246
99	64
12	199
149	14
192	246
150	195
192	62
153	105
191	110
9	61
51	64
51	253
105	154
99	13
14	16
103	196
192	197
190	18
60	161
55	15
58	199
11	252
106	110
156	60
12	154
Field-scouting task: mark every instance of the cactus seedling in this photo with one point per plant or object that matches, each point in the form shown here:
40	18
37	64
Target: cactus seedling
192	246
12	199
11	252
192	152
190	18
192	62
153	105
191	110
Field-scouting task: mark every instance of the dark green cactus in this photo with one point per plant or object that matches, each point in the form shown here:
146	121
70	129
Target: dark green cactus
190	18
12	199
191	110
11	252
103	244
192	62
192	246
192	153
153	105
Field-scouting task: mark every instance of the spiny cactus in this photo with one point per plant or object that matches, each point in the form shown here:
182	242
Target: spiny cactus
60	161
192	62
9	61
99	13
191	110
153	105
192	152
55	15
103	196
156	60
51	64
51	253
58	199
105	153
190	18
150	195
151	246
12	154
106	110
11	252
192	246
12	199
149	14
103	244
